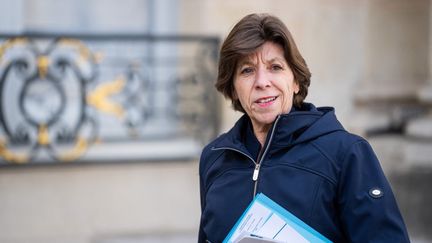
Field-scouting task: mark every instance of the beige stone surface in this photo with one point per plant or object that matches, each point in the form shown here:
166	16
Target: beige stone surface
83	202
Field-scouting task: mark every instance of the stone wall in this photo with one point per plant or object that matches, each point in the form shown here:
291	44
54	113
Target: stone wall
94	203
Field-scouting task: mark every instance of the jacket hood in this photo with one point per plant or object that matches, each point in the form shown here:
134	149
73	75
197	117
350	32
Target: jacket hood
298	126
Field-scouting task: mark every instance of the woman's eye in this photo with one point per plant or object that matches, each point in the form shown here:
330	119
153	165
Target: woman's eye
246	70
276	67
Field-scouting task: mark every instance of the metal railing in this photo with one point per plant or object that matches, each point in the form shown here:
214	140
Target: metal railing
77	97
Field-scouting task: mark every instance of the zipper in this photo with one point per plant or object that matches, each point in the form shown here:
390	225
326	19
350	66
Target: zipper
258	165
260	159
256	169
256	172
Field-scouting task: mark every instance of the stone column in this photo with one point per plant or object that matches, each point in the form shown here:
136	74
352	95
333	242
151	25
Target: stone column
412	192
419	130
395	66
393	103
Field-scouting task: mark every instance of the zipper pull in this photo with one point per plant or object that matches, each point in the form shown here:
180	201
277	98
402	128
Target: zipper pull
256	172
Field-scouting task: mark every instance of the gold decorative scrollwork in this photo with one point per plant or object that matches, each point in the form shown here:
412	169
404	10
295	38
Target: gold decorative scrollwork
10	156
10	43
85	53
43	62
43	135
79	149
99	98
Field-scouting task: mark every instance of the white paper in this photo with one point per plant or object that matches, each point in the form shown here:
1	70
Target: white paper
261	221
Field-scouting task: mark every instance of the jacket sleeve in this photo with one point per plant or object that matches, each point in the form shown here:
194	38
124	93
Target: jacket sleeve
368	209
201	234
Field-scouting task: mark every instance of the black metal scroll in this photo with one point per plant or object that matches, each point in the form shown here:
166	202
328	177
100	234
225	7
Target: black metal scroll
62	94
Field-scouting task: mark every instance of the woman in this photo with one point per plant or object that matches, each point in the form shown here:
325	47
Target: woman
298	155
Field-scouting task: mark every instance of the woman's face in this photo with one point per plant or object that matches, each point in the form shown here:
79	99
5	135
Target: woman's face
264	84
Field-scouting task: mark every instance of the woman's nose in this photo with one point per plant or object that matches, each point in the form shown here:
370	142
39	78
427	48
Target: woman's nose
262	79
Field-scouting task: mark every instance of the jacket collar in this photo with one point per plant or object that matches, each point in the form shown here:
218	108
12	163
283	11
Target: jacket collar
298	126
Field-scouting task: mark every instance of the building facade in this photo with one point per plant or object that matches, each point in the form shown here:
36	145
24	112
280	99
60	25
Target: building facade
371	60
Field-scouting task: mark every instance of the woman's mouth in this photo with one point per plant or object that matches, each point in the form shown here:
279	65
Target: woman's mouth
266	101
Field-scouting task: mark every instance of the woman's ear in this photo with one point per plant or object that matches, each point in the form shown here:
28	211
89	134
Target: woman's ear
296	87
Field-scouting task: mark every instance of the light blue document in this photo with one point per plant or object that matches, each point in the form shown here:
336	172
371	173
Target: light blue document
267	219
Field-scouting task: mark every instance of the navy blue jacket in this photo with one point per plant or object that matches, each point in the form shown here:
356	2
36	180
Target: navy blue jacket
311	166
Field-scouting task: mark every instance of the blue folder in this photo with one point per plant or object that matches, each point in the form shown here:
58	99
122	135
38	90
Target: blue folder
297	224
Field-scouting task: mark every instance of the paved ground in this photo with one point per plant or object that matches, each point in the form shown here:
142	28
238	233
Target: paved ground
158	238
180	238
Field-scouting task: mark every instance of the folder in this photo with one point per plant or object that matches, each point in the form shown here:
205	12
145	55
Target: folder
267	221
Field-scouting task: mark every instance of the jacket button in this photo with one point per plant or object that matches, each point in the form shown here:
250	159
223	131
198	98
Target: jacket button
375	193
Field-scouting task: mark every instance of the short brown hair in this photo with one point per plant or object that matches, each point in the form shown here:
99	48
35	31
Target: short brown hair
245	38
